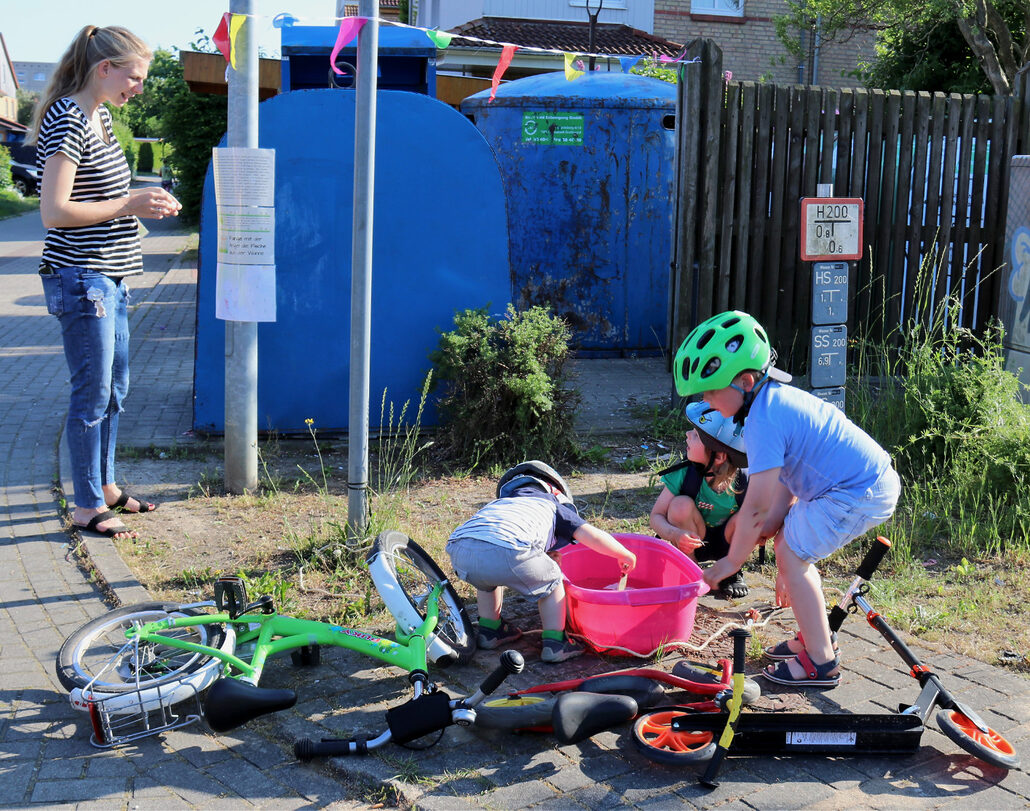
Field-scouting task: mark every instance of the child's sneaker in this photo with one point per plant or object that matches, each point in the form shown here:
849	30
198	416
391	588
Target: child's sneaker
558	650
490	638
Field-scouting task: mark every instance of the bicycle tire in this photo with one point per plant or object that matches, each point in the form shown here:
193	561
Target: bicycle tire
990	747
404	574
88	655
515	712
655	738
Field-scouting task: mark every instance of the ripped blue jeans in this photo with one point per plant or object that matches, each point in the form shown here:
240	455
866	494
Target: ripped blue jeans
93	311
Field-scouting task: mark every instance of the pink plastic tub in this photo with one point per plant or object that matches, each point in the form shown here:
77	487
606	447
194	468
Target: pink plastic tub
655	610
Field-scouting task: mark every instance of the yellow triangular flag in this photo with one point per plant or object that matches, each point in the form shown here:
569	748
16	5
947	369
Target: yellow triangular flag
235	24
571	72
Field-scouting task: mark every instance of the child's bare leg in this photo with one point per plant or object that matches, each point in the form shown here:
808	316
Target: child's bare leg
684	515
489	603
806	597
552	609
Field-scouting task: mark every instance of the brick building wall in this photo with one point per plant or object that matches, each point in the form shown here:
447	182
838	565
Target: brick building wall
751	49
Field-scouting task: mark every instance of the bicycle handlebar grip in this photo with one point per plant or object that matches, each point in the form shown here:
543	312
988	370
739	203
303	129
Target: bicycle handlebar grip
306	749
871	562
510	664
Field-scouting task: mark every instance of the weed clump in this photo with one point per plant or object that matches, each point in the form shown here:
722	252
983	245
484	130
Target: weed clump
941	401
505	394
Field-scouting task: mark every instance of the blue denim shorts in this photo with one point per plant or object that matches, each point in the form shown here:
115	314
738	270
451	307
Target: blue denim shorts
815	529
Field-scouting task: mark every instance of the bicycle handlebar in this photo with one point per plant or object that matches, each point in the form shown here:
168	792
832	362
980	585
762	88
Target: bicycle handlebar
740	637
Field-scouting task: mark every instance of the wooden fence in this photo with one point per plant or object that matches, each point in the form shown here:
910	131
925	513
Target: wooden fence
932	168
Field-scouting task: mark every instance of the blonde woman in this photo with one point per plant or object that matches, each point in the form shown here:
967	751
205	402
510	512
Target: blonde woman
92	245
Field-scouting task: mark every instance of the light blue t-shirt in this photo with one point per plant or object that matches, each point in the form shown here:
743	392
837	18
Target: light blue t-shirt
818	447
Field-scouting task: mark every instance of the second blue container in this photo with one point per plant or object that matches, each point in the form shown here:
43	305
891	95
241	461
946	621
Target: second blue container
588	168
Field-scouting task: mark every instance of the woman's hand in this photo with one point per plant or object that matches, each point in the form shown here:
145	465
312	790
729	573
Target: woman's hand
154	203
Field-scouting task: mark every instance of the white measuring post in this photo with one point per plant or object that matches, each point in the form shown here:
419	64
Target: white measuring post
831	238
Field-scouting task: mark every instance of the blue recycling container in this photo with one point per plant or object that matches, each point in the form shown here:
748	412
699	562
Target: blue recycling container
440	245
589	173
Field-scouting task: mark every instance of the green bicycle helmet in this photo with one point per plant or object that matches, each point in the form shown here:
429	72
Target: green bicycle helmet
718	350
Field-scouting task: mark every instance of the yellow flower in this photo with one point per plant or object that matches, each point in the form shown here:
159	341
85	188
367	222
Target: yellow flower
309	422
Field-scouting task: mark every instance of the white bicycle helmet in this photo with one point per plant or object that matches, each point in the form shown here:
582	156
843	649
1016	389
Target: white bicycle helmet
718	433
538	474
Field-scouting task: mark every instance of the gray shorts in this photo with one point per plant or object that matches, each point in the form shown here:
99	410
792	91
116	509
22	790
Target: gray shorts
486	566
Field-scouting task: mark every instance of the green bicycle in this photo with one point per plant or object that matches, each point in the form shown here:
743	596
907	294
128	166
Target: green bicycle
134	668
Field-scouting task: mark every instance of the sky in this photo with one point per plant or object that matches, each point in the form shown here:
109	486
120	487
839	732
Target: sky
41	30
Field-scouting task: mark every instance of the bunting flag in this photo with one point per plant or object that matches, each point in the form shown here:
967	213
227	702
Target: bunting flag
440	38
349	28
628	62
230	24
677	58
502	65
573	66
235	24
221	36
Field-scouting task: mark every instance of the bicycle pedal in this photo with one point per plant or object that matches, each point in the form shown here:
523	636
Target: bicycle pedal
231	595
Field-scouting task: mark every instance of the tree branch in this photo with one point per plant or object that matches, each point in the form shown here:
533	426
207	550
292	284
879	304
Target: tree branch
984	50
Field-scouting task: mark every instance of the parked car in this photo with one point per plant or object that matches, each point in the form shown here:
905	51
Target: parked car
24	173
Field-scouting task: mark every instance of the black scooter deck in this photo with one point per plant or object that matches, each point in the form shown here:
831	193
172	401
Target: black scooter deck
782	733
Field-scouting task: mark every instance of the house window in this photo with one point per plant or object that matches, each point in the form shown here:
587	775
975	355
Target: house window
593	4
723	8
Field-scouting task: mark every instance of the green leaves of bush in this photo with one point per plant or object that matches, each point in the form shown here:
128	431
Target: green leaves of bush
505	395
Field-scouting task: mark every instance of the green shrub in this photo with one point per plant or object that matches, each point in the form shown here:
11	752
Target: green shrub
505	393
6	182
145	162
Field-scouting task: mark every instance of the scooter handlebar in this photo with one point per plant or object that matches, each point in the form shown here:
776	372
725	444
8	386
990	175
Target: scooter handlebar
871	562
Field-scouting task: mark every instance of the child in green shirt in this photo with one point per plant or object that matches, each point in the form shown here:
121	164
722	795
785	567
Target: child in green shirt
697	507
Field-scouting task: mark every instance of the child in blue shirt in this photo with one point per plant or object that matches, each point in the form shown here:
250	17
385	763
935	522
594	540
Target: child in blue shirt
817	481
698	505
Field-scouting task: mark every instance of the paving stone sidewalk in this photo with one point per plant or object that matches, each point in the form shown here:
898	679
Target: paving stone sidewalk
45	759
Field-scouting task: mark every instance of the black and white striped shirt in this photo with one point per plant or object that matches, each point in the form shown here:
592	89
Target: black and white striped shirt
102	173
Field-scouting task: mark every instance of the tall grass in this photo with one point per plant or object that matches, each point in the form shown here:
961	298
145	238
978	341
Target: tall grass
939	399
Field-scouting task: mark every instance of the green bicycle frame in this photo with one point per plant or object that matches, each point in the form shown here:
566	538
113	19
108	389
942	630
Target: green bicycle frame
276	633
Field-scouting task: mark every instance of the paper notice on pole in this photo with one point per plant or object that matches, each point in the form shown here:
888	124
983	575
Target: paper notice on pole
245	292
246	235
244	177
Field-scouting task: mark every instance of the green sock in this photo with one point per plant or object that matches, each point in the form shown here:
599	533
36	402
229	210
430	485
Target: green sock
491	625
558	635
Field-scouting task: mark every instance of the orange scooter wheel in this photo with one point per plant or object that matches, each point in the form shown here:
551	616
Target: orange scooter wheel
655	737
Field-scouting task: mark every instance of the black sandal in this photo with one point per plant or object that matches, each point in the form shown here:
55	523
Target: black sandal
123	500
734	586
110	532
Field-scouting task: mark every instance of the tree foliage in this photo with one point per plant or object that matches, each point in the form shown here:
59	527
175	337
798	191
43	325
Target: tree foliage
994	32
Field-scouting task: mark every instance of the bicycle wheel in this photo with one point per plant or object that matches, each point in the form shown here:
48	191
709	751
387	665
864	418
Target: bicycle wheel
654	736
404	575
990	747
515	712
99	655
